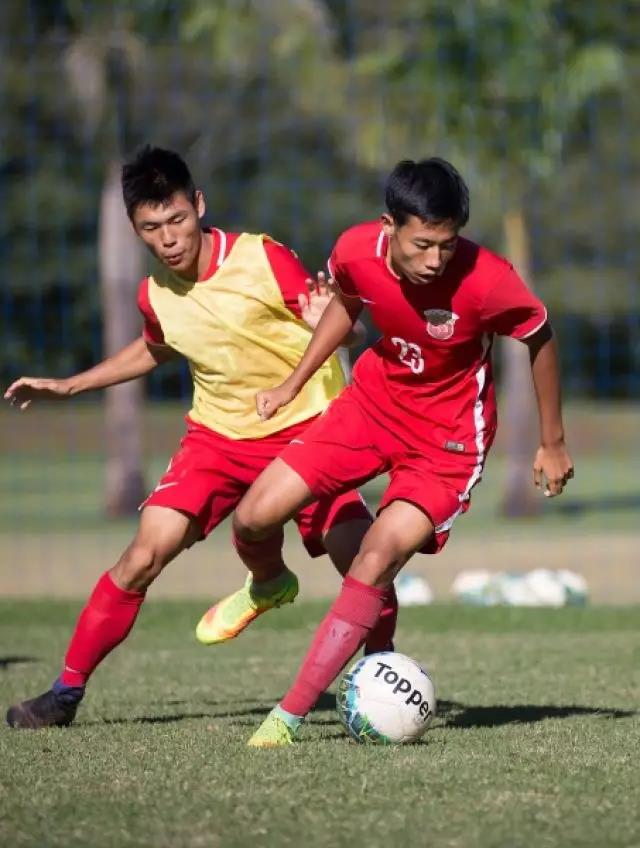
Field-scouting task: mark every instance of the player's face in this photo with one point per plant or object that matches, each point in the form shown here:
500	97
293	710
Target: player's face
172	232
419	251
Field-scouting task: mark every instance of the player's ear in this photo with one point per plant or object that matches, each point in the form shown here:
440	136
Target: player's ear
388	224
201	206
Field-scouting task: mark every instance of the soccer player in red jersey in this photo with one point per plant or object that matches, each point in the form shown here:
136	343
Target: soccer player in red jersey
421	406
233	305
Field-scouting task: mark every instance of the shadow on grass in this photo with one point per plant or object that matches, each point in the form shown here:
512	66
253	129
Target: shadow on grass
450	713
456	714
325	702
7	662
254	712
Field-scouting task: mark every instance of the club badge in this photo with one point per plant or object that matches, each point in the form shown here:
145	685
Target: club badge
440	323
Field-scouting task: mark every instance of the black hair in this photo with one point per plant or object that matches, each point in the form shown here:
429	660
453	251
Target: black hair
430	189
153	176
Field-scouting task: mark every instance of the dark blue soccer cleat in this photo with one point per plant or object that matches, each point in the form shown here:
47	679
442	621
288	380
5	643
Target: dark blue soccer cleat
55	708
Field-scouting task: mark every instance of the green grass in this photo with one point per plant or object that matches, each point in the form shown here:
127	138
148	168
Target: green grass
536	742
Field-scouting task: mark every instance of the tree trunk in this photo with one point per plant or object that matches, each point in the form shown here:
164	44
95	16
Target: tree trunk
519	419
121	268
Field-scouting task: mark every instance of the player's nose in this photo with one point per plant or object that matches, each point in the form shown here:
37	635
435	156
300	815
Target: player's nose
433	258
168	238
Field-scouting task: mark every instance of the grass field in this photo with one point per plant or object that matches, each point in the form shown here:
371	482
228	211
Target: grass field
536	743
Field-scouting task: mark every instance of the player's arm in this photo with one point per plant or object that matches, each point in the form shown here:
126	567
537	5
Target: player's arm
510	308
552	465
335	324
135	360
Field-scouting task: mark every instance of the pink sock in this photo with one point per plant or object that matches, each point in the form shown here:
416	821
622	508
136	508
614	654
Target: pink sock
381	636
340	634
104	622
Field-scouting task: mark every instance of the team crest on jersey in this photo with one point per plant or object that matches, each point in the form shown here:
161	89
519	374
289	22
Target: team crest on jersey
440	323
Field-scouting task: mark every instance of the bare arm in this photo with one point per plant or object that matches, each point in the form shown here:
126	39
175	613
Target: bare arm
337	321
134	360
552	466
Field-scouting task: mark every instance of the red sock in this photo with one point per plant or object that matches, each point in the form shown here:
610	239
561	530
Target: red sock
340	634
262	557
381	637
104	622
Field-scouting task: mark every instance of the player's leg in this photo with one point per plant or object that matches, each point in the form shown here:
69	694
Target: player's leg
425	495
337	527
109	614
400	530
333	455
275	496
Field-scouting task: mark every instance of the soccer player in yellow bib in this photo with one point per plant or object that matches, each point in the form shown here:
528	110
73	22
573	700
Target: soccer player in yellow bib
241	309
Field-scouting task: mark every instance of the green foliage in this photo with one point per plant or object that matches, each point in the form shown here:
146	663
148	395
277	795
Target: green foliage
290	112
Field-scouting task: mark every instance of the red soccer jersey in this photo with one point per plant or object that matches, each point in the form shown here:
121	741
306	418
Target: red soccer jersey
429	378
289	272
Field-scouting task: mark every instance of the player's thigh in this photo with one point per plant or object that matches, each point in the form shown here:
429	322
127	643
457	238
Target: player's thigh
167	530
206	479
162	534
341	450
439	488
277	494
399	531
344	541
335	526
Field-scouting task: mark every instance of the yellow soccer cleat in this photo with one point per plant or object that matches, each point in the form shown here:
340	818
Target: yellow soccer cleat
229	617
274	732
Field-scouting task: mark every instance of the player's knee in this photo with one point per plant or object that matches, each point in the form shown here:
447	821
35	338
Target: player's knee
251	520
138	567
376	565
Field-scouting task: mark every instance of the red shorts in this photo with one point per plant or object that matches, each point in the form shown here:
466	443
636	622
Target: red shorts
210	473
345	447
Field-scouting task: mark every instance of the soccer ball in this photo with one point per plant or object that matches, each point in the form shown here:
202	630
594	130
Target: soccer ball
386	699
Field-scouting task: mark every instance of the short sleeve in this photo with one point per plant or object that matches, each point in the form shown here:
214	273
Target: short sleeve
510	308
151	329
290	274
340	275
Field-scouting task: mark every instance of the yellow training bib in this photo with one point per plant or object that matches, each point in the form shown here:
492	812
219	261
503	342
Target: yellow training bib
239	338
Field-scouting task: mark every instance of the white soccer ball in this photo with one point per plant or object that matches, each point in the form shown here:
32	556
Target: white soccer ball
386	699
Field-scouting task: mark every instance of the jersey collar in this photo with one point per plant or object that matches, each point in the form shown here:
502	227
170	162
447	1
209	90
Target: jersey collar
382	248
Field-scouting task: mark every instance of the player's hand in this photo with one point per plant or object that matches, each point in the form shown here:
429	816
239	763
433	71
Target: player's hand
27	389
319	295
269	401
552	468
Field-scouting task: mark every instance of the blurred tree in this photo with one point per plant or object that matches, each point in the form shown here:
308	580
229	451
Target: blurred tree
102	60
118	57
85	73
